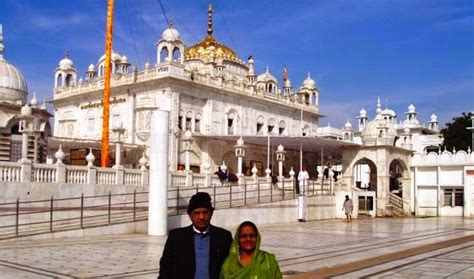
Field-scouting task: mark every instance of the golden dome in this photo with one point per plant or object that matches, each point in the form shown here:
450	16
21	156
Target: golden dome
210	49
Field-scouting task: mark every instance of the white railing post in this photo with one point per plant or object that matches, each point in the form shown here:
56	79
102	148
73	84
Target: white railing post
145	175
60	167
254	174
91	170
26	167
207	178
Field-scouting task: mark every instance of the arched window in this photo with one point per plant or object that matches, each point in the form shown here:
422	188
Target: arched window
101	70
270	126
59	80
69	80
90	121
281	127
176	54
164	54
189	118
180	120
197	123
305	131
260	122
231	118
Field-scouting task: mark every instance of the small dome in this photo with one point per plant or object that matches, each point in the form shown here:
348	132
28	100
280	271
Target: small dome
348	125
26	110
406	131
124	59
66	63
287	83
388	112
434	118
411	108
115	57
266	77
170	34
309	82
362	113
91	68
280	148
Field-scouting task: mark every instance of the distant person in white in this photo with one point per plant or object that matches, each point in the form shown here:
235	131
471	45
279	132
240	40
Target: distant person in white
347	207
303	178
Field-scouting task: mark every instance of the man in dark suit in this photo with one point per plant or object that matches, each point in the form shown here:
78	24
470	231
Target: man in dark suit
196	251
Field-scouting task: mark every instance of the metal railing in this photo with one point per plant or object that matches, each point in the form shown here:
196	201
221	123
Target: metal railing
228	195
26	218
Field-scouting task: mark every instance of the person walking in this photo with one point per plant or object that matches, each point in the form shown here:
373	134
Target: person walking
198	250
347	207
303	179
246	260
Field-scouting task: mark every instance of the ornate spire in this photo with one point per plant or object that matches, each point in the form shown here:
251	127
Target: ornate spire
379	106
210	11
171	22
2	47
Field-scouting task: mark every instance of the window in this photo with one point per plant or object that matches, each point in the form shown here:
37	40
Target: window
259	129
188	123
453	197
90	124
230	126
180	122
164	54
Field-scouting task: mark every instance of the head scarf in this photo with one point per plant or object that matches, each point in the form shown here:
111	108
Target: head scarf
263	265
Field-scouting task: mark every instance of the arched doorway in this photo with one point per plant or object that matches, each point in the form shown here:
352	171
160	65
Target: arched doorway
395	178
365	174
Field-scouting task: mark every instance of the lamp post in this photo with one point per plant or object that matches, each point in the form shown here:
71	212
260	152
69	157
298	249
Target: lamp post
25	127
119	130
280	156
240	153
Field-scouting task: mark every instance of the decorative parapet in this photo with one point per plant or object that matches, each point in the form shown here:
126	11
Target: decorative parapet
234	84
444	158
61	173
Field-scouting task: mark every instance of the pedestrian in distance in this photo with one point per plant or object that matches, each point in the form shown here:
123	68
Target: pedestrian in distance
347	207
246	260
198	250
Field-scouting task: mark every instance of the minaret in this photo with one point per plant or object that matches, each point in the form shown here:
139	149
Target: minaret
434	122
379	106
411	113
362	119
251	72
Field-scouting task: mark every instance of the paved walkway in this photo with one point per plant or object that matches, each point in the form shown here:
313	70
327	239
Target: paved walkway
376	248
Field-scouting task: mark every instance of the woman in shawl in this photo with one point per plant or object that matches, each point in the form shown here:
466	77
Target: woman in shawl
246	260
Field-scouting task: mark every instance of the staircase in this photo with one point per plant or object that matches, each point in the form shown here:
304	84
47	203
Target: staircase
397	205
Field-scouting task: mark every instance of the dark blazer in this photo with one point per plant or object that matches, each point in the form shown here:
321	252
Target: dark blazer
178	261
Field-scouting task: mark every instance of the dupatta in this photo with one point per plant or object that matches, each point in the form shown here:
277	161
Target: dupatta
264	265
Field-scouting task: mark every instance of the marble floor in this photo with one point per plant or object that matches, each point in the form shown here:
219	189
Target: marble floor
302	249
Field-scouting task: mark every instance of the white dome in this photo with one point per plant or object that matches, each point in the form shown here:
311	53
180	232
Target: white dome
91	68
362	113
348	125
66	63
115	57
388	112
266	77
411	108
26	110
434	118
124	59
170	34
309	82
13	86
287	83
378	132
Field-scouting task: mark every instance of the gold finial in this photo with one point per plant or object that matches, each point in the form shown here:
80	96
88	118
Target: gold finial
210	11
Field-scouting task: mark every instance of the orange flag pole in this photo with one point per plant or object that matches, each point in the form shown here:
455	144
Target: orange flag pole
105	116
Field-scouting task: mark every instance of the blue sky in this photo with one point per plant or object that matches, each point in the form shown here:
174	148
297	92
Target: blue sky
419	51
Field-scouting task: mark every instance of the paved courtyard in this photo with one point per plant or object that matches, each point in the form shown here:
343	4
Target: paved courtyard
376	248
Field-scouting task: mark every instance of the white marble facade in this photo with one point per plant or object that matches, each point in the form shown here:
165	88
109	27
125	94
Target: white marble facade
206	87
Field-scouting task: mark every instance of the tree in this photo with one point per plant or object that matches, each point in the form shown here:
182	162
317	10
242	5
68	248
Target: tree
456	133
